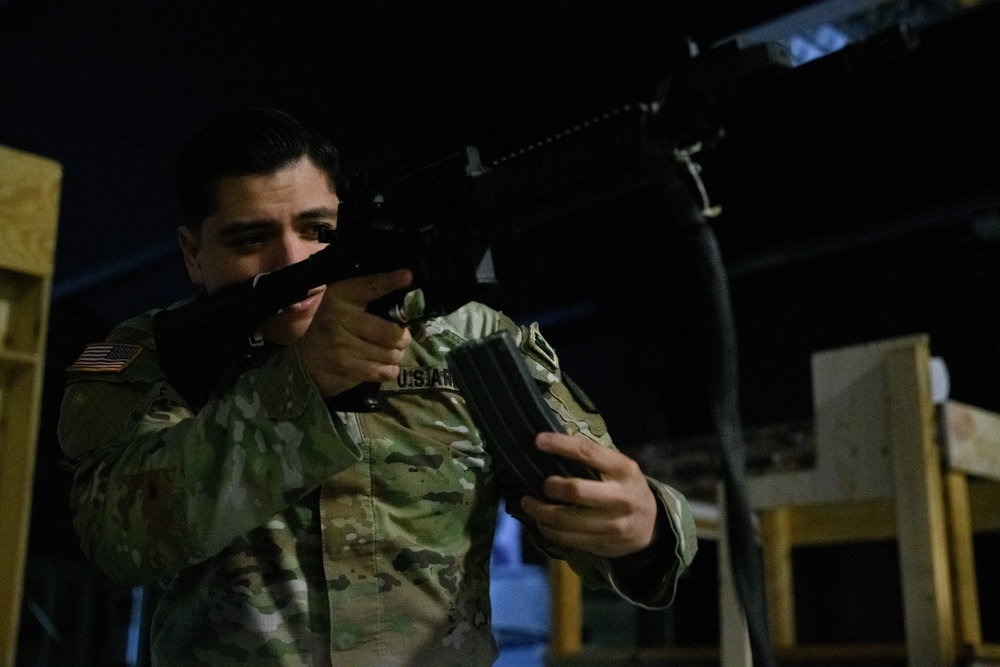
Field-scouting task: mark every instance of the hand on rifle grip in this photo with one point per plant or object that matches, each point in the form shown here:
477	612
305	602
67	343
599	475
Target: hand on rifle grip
365	396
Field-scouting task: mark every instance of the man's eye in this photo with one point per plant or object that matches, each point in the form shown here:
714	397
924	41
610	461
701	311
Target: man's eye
249	242
312	232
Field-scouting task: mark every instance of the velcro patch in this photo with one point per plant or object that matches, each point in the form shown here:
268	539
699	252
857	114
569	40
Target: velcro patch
581	397
106	357
539	348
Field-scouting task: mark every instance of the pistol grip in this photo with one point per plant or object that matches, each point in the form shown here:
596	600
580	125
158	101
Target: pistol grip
362	398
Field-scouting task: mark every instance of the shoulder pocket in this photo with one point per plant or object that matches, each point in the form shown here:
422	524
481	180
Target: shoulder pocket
568	400
103	407
542	362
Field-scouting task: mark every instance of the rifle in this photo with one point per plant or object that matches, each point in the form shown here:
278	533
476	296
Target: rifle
437	218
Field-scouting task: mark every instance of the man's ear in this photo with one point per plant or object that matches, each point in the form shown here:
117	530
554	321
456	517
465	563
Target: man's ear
190	248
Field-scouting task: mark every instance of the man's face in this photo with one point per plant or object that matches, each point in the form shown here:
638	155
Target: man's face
264	223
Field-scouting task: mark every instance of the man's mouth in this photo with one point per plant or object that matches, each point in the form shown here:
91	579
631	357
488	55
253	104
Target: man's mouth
307	303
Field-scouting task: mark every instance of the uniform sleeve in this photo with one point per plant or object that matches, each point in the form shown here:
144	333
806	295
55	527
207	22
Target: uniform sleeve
655	585
158	487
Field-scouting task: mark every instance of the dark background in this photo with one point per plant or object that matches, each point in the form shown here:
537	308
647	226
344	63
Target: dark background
859	191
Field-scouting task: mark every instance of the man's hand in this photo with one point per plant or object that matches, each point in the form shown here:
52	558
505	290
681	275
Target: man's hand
345	345
613	517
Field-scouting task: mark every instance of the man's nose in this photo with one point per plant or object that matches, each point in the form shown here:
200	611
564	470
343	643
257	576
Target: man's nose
291	249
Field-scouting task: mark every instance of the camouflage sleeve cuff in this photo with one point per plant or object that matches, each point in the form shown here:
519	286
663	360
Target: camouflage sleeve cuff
649	579
288	393
285	386
653	588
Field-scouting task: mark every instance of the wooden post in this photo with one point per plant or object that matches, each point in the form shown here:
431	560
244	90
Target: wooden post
29	206
566	592
776	541
920	514
968	625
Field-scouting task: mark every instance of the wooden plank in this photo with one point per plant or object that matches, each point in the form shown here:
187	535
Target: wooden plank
29	207
566	595
852	426
875	413
797	487
822	654
923	540
26	300
984	500
851	431
29	211
984	653
21	390
968	627
972	439
776	543
839	523
5	316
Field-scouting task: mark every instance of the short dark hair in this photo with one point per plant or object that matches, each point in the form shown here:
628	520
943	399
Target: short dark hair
246	142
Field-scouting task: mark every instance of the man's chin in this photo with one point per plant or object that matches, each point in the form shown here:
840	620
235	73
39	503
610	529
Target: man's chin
284	330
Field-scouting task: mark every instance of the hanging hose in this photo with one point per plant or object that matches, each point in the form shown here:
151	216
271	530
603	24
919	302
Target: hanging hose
605	157
717	353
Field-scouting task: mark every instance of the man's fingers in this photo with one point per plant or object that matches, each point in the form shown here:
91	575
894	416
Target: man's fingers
365	289
344	344
563	517
367	370
578	491
608	462
593	529
381	342
377	334
612	516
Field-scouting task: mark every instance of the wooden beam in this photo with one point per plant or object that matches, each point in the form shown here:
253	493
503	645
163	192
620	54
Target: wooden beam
920	513
566	591
776	543
29	206
968	626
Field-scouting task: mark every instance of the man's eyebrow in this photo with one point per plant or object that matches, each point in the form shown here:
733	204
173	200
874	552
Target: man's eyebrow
318	212
237	227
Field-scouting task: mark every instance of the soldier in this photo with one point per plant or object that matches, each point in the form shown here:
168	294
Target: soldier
286	534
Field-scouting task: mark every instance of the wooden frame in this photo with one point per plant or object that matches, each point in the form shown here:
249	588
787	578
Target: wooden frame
29	210
890	465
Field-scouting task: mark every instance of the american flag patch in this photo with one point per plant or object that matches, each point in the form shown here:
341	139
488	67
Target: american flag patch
106	357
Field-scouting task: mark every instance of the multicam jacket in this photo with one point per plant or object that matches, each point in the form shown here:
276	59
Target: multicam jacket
283	534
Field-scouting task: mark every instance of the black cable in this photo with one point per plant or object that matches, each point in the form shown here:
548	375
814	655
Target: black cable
719	365
624	149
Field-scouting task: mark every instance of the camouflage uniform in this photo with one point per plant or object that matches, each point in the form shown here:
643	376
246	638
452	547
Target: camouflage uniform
284	535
